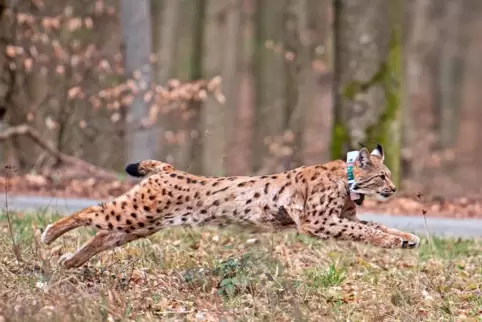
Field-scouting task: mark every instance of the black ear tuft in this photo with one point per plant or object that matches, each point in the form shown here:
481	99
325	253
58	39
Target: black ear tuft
133	170
378	151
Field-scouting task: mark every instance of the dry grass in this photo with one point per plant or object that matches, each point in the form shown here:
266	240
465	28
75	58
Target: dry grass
210	275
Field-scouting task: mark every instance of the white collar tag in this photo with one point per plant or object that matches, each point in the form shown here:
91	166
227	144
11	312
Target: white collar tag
350	162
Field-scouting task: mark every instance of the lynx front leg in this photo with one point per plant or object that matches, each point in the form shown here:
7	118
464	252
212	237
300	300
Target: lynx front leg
344	229
102	241
412	240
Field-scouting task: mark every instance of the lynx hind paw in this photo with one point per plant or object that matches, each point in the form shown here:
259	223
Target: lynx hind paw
65	257
43	237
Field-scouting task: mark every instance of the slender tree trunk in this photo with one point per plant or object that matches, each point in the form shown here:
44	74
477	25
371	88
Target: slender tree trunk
222	23
314	96
182	121
290	138
469	146
213	114
232	78
240	153
270	79
419	75
136	33
3	66
195	128
165	30
447	118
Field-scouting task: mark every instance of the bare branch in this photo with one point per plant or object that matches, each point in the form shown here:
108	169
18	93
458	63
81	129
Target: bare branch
25	130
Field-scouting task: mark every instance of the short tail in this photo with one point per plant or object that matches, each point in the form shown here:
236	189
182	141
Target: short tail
83	217
148	167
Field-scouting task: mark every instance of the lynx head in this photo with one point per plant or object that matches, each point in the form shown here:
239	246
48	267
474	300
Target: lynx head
372	177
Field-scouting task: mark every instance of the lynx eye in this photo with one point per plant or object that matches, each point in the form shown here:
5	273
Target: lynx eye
382	177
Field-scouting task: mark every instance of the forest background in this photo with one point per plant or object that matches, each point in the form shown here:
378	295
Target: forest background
239	87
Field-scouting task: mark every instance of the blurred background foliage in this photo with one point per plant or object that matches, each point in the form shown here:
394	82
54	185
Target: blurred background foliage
238	87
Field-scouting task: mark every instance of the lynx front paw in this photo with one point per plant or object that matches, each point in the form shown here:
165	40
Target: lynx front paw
399	242
392	242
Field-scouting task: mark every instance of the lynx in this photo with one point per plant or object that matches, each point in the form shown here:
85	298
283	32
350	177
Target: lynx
314	200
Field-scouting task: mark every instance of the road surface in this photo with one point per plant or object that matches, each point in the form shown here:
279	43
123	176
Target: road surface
443	227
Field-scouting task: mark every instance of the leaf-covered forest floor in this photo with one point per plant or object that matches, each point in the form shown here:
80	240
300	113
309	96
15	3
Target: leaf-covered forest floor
228	275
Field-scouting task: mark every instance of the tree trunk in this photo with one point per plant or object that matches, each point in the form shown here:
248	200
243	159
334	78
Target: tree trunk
367	77
165	30
136	33
194	124
240	153
231	77
419	44
450	70
296	28
165	27
469	146
270	81
222	23
314	97
181	122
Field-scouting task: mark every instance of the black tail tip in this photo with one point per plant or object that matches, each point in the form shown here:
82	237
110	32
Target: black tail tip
133	170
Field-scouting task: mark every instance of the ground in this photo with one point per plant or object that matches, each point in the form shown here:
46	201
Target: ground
206	274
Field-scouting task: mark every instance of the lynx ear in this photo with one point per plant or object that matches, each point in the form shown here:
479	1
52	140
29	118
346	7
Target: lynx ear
378	151
363	159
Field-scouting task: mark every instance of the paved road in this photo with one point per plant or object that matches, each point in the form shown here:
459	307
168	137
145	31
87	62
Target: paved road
466	228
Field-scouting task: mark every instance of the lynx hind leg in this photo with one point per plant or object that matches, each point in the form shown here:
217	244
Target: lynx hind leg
102	241
83	217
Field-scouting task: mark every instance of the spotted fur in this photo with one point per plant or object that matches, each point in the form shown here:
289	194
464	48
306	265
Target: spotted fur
313	200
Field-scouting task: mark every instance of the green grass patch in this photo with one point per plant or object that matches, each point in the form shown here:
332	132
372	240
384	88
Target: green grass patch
324	278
